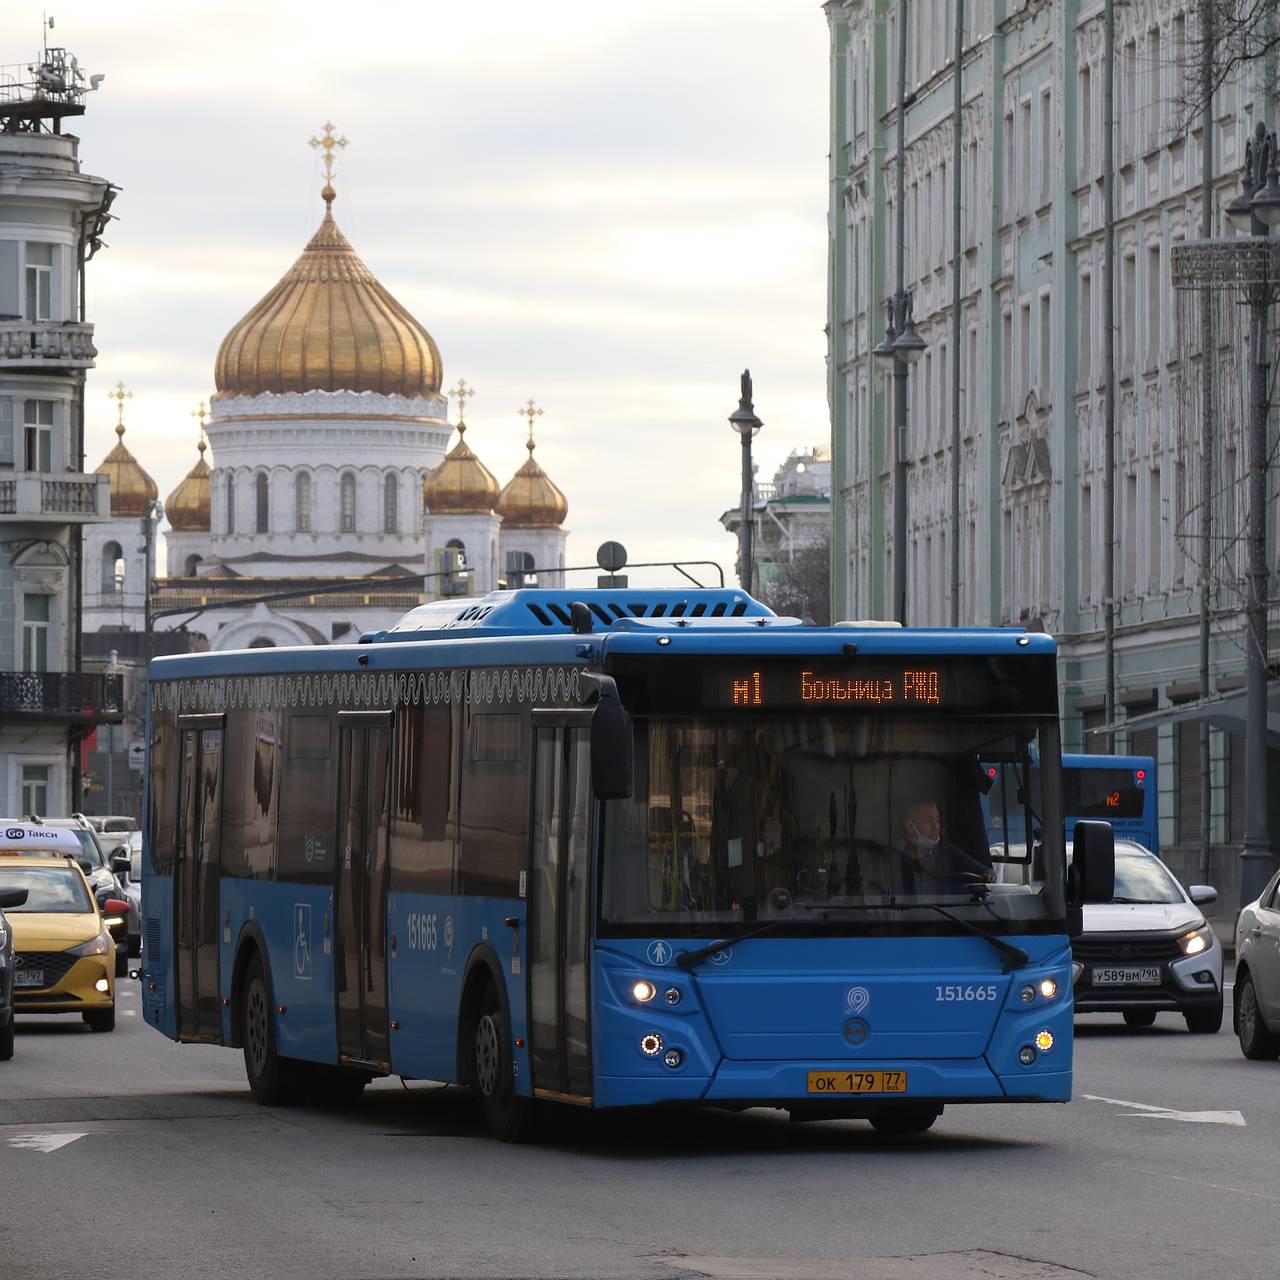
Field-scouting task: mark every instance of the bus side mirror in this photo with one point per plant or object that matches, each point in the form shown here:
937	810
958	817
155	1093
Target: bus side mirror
1092	874
611	745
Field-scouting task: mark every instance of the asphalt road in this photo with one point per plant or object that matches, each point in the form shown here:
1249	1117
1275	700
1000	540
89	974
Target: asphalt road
127	1155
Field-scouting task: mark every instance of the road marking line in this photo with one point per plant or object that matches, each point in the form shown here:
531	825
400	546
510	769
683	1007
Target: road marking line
128	1013
1145	1111
45	1142
1213	1186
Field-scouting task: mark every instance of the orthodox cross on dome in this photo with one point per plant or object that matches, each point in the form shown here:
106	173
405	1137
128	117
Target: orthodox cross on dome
328	142
530	411
120	395
201	411
462	393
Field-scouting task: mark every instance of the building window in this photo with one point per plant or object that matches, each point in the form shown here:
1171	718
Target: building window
231	504
1085	145
38	422
390	503
39	282
520	570
112	570
1048	155
35	632
348	503
1046	350
35	789
1084	352
6	433
1086	543
302	502
190	566
1154	522
262	500
1153	307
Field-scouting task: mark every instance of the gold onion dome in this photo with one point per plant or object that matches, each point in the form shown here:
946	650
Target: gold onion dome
328	326
188	505
131	487
461	484
531	499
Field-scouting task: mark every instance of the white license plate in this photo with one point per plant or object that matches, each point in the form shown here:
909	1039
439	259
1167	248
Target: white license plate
1127	976
28	977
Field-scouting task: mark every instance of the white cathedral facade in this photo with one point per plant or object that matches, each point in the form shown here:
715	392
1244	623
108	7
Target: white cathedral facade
329	506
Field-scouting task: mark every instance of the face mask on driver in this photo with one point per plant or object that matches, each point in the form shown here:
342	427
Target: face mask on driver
926	843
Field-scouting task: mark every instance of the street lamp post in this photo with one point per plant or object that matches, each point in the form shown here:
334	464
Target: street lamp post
744	421
1257	209
151	517
901	345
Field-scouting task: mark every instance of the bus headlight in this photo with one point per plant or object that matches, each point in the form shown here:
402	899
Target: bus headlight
1027	994
1048	988
642	991
651	1044
1026	1055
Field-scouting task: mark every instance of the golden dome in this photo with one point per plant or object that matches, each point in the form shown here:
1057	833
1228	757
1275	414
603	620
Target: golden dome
531	500
131	487
188	505
461	484
329	326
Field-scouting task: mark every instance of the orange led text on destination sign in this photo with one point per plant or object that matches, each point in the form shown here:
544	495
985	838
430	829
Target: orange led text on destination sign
913	687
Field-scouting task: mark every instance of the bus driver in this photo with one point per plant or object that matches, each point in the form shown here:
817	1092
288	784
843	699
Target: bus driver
926	861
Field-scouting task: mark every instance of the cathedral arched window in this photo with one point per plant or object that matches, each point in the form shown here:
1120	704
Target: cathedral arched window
348	502
189	566
390	503
112	569
262	495
231	504
302	502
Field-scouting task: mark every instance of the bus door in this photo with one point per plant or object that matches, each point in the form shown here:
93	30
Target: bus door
559	927
196	879
360	888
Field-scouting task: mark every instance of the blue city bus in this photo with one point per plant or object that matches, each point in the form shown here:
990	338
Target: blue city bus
1120	790
613	849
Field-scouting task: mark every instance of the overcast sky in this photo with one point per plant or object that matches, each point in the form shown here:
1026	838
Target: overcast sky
610	208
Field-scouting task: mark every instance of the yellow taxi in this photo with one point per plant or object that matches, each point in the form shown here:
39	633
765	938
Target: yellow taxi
63	950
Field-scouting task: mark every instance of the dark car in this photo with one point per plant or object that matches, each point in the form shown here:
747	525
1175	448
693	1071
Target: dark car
8	898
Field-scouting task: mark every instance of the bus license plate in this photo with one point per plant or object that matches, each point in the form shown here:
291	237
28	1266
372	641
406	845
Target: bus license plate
857	1082
1127	976
28	977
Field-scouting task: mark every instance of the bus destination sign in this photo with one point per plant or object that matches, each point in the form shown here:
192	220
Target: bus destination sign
763	687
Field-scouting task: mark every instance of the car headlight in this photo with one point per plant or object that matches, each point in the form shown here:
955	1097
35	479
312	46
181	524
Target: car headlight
99	946
1196	941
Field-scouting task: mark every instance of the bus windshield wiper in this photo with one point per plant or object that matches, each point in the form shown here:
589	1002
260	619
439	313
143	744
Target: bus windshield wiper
687	959
1015	954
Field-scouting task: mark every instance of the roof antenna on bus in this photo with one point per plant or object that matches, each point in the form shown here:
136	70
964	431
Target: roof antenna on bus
580	618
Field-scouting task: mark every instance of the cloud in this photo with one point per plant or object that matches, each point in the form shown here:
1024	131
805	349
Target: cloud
609	208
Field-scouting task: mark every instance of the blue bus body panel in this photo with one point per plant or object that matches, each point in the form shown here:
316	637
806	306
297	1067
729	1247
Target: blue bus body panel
752	1027
433	939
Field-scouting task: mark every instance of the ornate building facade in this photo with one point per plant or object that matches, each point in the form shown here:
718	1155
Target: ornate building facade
51	217
1031	356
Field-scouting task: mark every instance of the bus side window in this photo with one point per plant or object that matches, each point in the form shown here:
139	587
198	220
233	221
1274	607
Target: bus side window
424	818
162	816
251	790
307	799
495	804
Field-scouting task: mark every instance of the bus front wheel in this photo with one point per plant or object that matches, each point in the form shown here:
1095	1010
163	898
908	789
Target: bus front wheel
274	1080
509	1116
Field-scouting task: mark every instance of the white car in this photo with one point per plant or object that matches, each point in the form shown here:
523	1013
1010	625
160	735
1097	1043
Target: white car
1256	1012
1150	950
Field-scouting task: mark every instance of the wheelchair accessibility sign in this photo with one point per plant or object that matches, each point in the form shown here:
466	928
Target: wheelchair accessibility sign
302	941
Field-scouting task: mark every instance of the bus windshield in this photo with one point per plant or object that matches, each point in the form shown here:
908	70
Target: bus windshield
827	820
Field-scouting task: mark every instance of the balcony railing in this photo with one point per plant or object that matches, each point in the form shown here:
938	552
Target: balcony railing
84	696
65	344
59	499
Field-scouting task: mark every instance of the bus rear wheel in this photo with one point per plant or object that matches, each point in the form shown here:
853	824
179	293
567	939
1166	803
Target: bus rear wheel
904	1119
275	1081
509	1116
